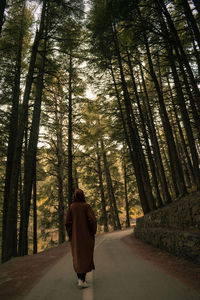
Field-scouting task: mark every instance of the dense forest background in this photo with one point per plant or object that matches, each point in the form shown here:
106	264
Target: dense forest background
102	95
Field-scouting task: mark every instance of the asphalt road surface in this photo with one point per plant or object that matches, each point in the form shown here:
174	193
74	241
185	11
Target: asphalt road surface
119	275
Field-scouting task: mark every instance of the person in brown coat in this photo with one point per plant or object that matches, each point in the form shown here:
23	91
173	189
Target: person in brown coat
81	227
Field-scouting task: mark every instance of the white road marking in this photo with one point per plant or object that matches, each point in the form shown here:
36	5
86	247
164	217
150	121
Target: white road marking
88	292
100	242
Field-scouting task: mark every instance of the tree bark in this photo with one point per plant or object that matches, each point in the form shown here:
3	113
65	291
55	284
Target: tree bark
134	161
145	135
179	47
191	19
76	180
140	171
183	109
2	9
35	210
186	121
11	213
113	204
31	156
165	161
197	5
103	201
176	169
169	43
181	133
196	51
70	157
13	187
155	144
59	153
125	190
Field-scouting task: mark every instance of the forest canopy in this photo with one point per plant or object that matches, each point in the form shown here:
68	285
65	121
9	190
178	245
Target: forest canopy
101	95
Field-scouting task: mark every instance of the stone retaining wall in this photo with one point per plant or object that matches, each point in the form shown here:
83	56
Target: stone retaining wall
174	228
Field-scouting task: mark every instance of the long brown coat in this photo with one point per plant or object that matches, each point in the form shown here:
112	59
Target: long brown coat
81	227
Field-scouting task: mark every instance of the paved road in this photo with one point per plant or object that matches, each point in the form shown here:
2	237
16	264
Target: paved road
119	275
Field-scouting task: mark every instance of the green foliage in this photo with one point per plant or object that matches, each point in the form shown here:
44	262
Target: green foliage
86	52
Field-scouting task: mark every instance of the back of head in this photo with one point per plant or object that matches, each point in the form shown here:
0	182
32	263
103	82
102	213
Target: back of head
79	196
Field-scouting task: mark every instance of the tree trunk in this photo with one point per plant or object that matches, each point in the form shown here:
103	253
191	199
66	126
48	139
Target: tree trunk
35	210
134	136
155	144
182	157
24	166
146	138
196	51
181	134
70	157
60	167
197	5
165	161
134	161
10	213
11	201
31	156
113	204
169	43
191	20
103	202
76	183
183	109
176	169
125	190
187	125
179	47
2	9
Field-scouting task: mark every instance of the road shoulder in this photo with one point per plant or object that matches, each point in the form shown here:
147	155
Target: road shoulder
19	275
185	271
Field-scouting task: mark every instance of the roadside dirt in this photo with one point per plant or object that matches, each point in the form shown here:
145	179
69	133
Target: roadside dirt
180	268
20	274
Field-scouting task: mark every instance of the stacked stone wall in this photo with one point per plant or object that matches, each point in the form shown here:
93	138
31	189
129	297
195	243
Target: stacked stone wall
174	228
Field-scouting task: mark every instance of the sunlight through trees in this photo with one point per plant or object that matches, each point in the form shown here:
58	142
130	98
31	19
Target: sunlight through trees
101	95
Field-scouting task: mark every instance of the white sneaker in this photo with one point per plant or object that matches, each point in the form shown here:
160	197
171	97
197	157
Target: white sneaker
80	283
85	284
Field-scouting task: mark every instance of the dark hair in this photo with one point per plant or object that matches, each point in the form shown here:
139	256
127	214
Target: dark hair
79	196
